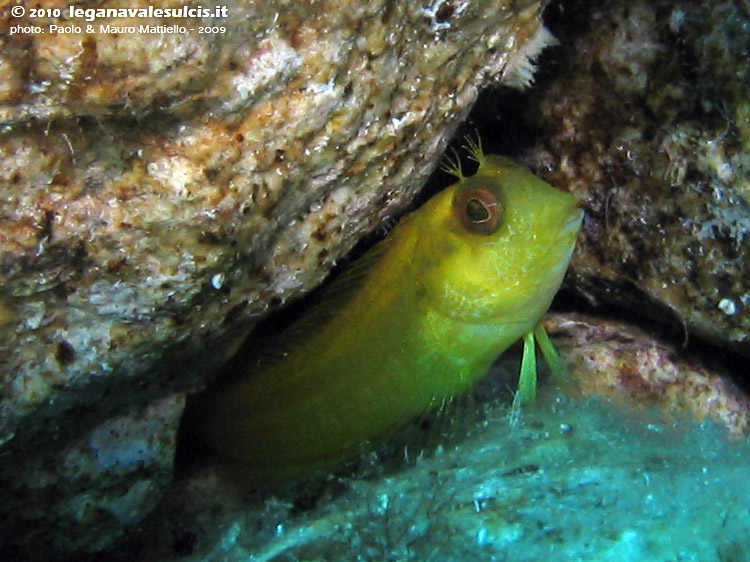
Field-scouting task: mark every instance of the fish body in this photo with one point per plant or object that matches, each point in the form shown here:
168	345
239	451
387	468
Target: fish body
453	286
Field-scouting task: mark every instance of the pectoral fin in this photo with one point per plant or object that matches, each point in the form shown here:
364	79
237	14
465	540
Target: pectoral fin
550	354
527	379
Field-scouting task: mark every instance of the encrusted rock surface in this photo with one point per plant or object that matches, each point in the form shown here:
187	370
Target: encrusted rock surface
647	119
161	191
99	483
620	361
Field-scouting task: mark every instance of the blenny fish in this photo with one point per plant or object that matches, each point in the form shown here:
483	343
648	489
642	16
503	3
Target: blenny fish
420	320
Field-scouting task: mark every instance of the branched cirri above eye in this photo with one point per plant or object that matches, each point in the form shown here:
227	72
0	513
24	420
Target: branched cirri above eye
479	211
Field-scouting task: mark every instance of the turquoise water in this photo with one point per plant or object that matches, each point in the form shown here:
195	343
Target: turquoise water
569	480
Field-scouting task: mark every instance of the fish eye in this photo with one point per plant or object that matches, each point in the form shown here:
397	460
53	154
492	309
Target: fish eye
476	211
479	211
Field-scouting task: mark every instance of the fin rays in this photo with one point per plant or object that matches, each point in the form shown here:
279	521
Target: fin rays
527	378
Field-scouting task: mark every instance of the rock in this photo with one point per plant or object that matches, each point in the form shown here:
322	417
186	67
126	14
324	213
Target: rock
647	119
622	362
162	191
99	483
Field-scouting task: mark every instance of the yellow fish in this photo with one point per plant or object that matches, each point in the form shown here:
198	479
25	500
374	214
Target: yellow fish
452	287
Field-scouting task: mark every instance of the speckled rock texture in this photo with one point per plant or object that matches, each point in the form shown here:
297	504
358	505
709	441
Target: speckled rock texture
161	191
622	362
648	120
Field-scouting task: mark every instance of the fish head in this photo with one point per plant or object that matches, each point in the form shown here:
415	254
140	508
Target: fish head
496	245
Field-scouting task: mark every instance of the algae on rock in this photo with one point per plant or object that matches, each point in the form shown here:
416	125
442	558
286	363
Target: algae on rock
646	119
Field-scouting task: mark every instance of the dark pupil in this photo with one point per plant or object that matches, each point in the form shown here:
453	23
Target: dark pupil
477	211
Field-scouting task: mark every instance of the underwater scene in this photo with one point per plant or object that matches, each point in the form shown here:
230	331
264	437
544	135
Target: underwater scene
569	479
375	281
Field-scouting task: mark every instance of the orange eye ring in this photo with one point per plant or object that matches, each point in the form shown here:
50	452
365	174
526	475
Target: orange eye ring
478	211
